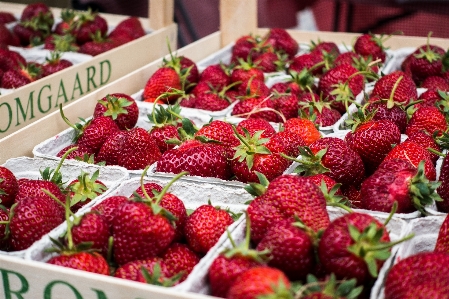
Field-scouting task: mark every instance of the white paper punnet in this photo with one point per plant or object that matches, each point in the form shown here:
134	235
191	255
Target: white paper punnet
25	167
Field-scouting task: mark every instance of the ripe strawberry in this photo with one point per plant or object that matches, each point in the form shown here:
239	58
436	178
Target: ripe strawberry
291	142
414	153
32	218
288	196
308	61
99	44
93	228
291	249
96	132
86	261
7	38
213	100
282	41
61	43
111	149
11	60
371	45
270	62
426	61
442	244
8	186
244	47
252	125
347	247
286	104
131	27
372	139
7	17
443	189
256	107
107	207
55	64
217	75
426	269
323	48
121	107
340	84
5	237
33	10
178	258
154	267
189	70
319	110
396	180
33	188
205	226
426	141
304	128
435	82
220	131
260	281
427	119
430	98
13	79
382	111
139	150
87	24
165	79
246	70
398	83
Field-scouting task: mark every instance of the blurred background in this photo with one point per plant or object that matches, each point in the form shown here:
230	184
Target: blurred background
198	18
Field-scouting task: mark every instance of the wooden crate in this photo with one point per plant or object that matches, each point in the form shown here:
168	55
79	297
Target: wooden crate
31	102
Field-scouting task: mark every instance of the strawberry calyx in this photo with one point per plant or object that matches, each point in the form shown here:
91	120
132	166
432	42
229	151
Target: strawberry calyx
249	146
428	54
331	287
157	278
308	162
279	291
83	17
86	187
161	116
78	127
422	191
243	249
55	175
115	105
65	43
304	78
315	104
332	198
42	22
258	189
360	117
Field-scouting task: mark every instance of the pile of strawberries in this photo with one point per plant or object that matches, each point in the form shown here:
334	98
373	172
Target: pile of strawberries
30	208
83	32
148	237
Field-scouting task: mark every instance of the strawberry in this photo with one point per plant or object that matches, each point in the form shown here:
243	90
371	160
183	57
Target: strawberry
371	45
178	258
286	103
96	132
426	61
86	261
189	70
217	75
427	119
246	70
307	61
98	45
270	62
32	218
220	131
291	141
291	249
11	60
282	41
13	79
354	245
163	80
4	235
426	269
252	125
84	189
329	288
33	188
257	154
139	150
111	149
7	38
398	83
87	24
165	125
323	48
414	153
442	244
205	226
7	17
93	228
107	207
318	109
340	84
8	186
383	111
121	107
435	82
79	152
155	270
429	98
286	197
142	229
260	281
243	48
55	64
397	180
231	262
61	43
33	10
66	25
256	107
131	27
304	128
213	100
443	189
426	141
372	139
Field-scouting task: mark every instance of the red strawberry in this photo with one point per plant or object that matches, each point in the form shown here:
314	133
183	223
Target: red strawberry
92	228
205	226
256	107
281	40
178	258
288	196
4	235
62	43
443	189
216	75
139	150
86	261
291	141
131	27
87	25
96	132
243	48
340	84
84	189
431	97
426	61
98	45
427	119
291	249
32	218
165	79
348	245
372	140
154	267
33	10
318	109
8	186
165	126
414	153
396	180
426	269
260	281
252	125
13	79
426	141
308	61
107	207
189	70
220	131
435	82
330	288
322	48
7	38
270	62
286	104
383	111
7	17
304	128
111	149
33	188
55	64
442	244
246	70
371	45
213	100
121	107
397	83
